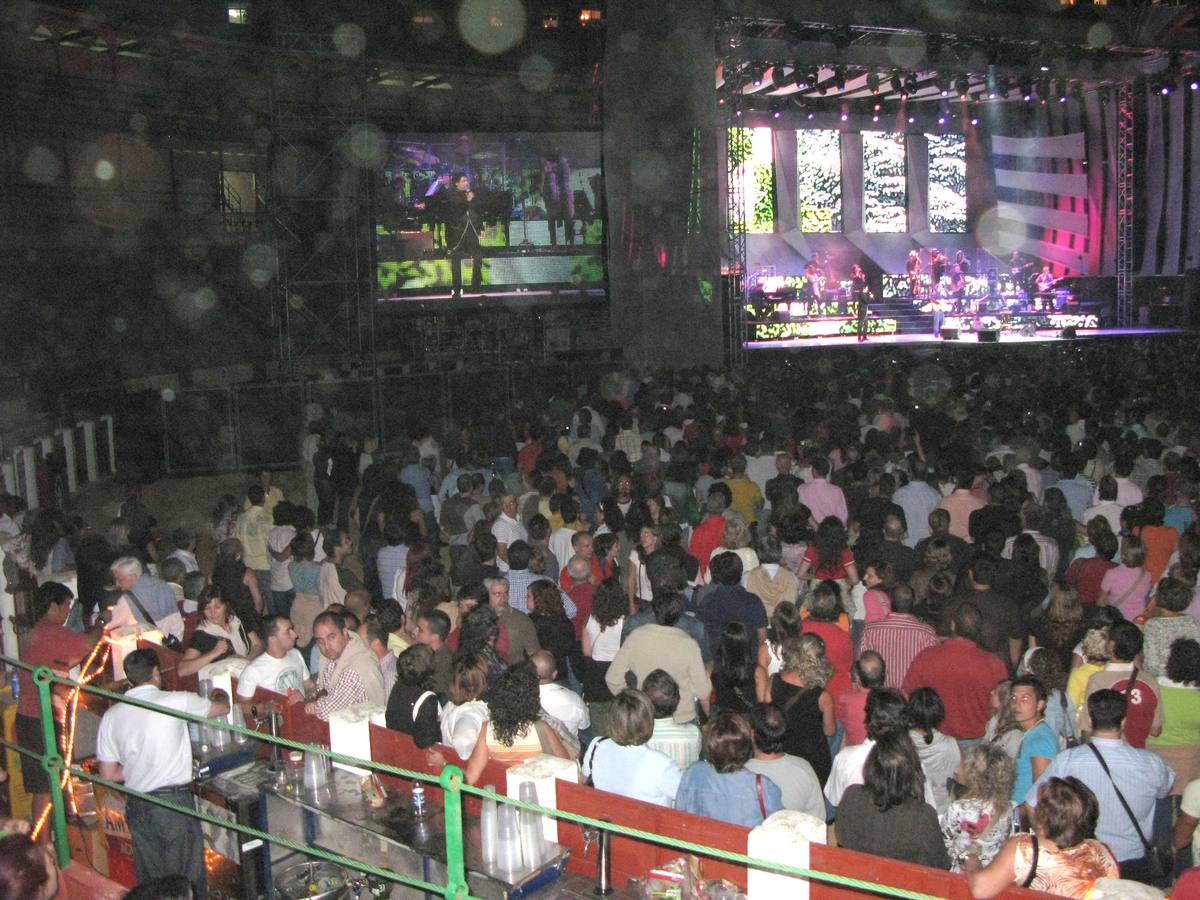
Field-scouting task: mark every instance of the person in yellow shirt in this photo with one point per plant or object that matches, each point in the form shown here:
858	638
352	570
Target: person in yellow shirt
747	496
1094	648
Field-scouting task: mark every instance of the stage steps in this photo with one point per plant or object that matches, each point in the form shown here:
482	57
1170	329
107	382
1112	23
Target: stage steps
909	318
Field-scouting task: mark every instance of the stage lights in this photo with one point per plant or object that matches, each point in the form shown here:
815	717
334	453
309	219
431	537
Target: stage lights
896	83
911	84
1195	85
839	78
963	85
873	82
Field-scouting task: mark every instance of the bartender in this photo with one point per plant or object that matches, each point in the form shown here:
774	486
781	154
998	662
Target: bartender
150	752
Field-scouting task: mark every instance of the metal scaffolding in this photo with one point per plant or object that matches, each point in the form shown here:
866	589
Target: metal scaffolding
734	255
1125	138
320	204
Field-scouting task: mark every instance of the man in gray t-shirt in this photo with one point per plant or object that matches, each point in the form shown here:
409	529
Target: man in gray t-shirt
797	782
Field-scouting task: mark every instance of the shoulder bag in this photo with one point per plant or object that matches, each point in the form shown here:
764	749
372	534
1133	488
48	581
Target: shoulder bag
169	640
1160	860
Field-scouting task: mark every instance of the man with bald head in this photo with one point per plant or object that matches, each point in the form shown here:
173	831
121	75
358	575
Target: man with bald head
581	588
557	699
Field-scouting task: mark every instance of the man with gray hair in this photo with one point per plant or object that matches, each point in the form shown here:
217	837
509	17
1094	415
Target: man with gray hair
581	588
143	598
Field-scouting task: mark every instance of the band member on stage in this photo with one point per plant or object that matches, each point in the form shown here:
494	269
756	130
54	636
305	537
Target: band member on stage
958	287
937	265
913	267
559	195
960	260
814	274
860	294
1045	288
462	231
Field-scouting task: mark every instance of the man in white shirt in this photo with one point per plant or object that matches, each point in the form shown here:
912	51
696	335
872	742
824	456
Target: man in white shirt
557	699
279	668
506	529
375	636
279	553
185	549
150	752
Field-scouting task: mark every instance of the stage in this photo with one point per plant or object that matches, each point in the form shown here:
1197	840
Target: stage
963	339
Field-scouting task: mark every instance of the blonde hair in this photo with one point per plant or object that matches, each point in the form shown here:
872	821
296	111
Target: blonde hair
805	656
737	534
1095	645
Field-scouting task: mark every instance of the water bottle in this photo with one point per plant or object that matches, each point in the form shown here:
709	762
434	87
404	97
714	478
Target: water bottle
14	681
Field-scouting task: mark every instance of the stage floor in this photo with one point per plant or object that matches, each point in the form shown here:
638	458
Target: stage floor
964	339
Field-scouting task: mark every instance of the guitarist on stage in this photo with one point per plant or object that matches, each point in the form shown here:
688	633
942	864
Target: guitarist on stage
913	267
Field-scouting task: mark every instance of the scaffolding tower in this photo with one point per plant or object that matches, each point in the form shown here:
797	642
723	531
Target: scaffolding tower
1125	138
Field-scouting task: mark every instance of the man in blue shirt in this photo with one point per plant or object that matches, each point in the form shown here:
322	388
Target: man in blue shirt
1039	745
1142	777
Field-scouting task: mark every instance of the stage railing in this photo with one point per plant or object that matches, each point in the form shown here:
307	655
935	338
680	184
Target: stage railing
450	780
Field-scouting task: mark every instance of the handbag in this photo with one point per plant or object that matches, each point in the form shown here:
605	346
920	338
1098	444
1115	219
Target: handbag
169	640
762	802
1161	860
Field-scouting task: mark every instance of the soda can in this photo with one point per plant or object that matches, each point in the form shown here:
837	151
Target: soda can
418	800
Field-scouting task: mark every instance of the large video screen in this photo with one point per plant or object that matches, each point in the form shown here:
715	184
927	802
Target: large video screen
947	183
885	193
528	217
819	180
752	153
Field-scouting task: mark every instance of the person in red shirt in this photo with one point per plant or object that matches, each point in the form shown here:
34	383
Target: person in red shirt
48	643
708	535
1085	575
850	706
962	673
825	605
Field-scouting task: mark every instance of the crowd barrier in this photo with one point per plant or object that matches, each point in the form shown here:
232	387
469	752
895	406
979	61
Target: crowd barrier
46	470
642	835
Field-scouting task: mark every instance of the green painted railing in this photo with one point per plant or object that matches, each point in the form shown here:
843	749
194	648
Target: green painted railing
450	780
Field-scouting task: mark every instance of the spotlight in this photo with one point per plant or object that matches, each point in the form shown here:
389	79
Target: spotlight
963	85
1195	85
910	83
974	121
811	115
912	120
875	118
1166	88
896	83
776	114
878	107
941	120
845	117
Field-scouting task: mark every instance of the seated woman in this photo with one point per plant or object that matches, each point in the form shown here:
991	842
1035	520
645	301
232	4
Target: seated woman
623	763
412	707
513	733
887	814
464	715
719	785
733	676
1061	856
981	819
220	634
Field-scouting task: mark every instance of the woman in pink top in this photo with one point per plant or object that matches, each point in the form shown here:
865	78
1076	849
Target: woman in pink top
1127	585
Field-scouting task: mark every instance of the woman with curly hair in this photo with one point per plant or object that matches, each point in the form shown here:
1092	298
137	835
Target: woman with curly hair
513	732
981	819
799	692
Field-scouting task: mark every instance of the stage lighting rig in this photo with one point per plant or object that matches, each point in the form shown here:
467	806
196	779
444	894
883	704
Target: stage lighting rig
896	83
839	78
910	83
962	85
873	82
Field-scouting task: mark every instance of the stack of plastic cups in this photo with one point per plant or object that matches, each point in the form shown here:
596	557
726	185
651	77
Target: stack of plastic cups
533	841
487	827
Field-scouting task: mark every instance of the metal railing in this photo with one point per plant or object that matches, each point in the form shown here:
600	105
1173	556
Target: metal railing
450	780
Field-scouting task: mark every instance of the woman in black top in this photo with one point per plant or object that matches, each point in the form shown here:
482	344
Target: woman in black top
555	632
733	676
412	707
887	815
799	692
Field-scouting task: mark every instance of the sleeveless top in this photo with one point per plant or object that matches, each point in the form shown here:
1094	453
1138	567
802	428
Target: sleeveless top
524	745
805	735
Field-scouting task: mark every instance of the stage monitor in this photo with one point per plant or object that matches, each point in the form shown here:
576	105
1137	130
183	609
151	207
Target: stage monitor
885	189
537	211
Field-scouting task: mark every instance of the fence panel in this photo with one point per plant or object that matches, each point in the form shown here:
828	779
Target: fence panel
477	395
408	403
269	424
347	406
199	431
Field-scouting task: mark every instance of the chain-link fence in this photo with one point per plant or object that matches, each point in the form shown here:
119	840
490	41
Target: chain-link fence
247	426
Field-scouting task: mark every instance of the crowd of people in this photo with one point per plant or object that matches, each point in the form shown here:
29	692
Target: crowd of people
948	605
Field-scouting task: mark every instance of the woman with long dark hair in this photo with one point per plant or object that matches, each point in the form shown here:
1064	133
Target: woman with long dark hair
237	584
829	556
733	676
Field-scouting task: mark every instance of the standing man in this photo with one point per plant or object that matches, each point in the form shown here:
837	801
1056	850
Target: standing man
462	232
913	270
859	292
822	498
254	524
1108	765
1039	743
433	629
522	635
150	753
558	195
507	529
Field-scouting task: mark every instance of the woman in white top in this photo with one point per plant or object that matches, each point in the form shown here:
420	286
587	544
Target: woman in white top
939	753
466	713
602	638
785	626
220	634
637	584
